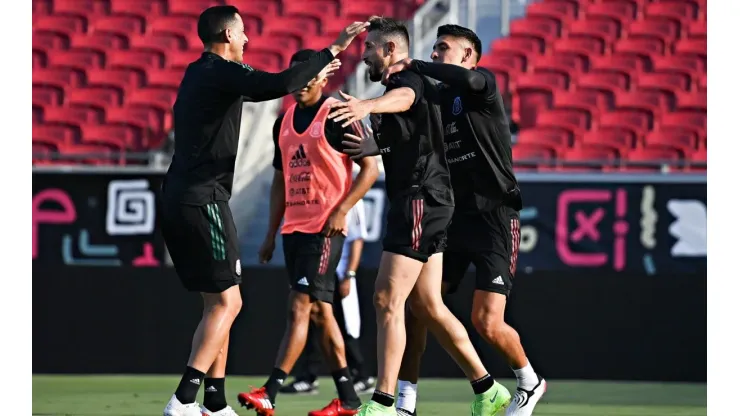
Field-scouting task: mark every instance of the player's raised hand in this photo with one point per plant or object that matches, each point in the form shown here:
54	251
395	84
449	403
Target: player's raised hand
358	147
347	35
266	250
397	67
327	72
348	111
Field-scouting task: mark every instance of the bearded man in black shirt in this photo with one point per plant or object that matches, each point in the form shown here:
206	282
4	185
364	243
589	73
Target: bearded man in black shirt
485	226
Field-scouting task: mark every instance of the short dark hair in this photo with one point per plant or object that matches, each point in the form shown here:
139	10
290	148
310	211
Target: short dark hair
302	56
389	27
462	32
213	21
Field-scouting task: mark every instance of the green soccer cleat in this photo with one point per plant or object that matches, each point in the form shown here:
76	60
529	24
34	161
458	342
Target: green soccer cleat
491	402
371	408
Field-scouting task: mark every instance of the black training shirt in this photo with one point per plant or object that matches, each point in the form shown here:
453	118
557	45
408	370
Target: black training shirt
477	137
207	116
302	119
412	144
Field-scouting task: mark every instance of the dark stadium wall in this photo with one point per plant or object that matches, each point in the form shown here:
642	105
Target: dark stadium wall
574	325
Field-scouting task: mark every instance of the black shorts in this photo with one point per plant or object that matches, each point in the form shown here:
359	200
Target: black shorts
312	260
417	226
203	245
488	240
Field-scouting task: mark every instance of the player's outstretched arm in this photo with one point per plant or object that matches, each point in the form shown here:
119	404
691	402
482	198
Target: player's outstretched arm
259	86
452	75
394	101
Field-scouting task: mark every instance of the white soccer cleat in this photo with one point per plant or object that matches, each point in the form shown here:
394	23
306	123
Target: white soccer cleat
524	401
226	411
175	408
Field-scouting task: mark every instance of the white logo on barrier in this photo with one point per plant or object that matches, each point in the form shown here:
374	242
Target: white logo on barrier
690	228
130	208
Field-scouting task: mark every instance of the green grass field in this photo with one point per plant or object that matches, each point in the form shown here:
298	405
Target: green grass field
147	395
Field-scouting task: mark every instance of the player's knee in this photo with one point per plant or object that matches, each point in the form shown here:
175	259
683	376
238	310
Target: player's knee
490	326
320	313
385	303
300	308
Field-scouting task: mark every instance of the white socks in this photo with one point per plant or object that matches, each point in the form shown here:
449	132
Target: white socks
526	378
407	395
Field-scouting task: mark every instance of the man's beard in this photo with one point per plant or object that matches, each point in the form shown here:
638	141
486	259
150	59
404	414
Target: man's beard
374	74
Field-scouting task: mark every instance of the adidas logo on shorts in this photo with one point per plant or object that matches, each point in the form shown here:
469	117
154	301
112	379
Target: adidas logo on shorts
498	281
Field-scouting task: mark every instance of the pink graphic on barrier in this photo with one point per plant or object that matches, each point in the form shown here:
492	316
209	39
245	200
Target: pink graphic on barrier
147	258
587	227
67	215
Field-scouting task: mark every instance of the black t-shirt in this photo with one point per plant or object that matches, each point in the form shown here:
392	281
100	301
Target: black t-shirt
207	117
302	119
478	147
412	144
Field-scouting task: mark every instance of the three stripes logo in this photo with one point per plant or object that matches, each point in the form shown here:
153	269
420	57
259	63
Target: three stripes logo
299	158
216	226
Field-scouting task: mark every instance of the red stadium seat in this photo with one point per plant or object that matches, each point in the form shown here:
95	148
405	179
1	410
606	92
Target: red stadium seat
142	8
101	97
164	78
39	59
621	12
588	157
667	83
531	152
703	84
602	81
534	93
145	118
603	29
284	46
101	41
37	114
691	101
698	29
159	42
503	62
363	9
689	120
266	61
80	7
49	40
645	48
267	9
663	30
46	96
624	64
569	120
159	97
619	140
561	11
57	77
60	24
586	47
567	65
552	137
191	7
93	154
120	79
586	100
524	47
674	10
121	24
653	155
539	28
41	7
294	25
111	134
76	59
53	133
675	139
135	59
72	115
691	47
179	25
635	121
181	59
686	65
650	102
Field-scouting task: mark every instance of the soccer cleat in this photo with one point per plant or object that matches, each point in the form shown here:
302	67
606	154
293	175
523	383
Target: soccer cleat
404	412
258	400
226	411
175	408
364	385
334	409
372	408
301	387
525	400
491	402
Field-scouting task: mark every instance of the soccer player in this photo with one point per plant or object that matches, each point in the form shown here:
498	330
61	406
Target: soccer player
410	138
347	310
485	227
197	224
312	191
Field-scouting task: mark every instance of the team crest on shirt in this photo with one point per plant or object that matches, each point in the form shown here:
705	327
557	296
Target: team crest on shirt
238	267
456	106
315	129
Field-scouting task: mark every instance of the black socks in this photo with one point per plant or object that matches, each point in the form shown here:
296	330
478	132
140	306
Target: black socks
482	385
383	398
277	378
190	382
345	388
214	394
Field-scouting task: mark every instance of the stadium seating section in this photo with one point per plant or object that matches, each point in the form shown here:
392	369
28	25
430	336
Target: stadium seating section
105	72
611	80
607	80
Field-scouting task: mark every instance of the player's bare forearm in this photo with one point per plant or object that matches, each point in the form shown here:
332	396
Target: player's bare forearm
355	253
363	182
452	75
277	203
394	101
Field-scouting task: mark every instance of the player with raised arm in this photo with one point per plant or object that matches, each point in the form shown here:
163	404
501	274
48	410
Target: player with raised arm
312	192
485	227
196	221
410	138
